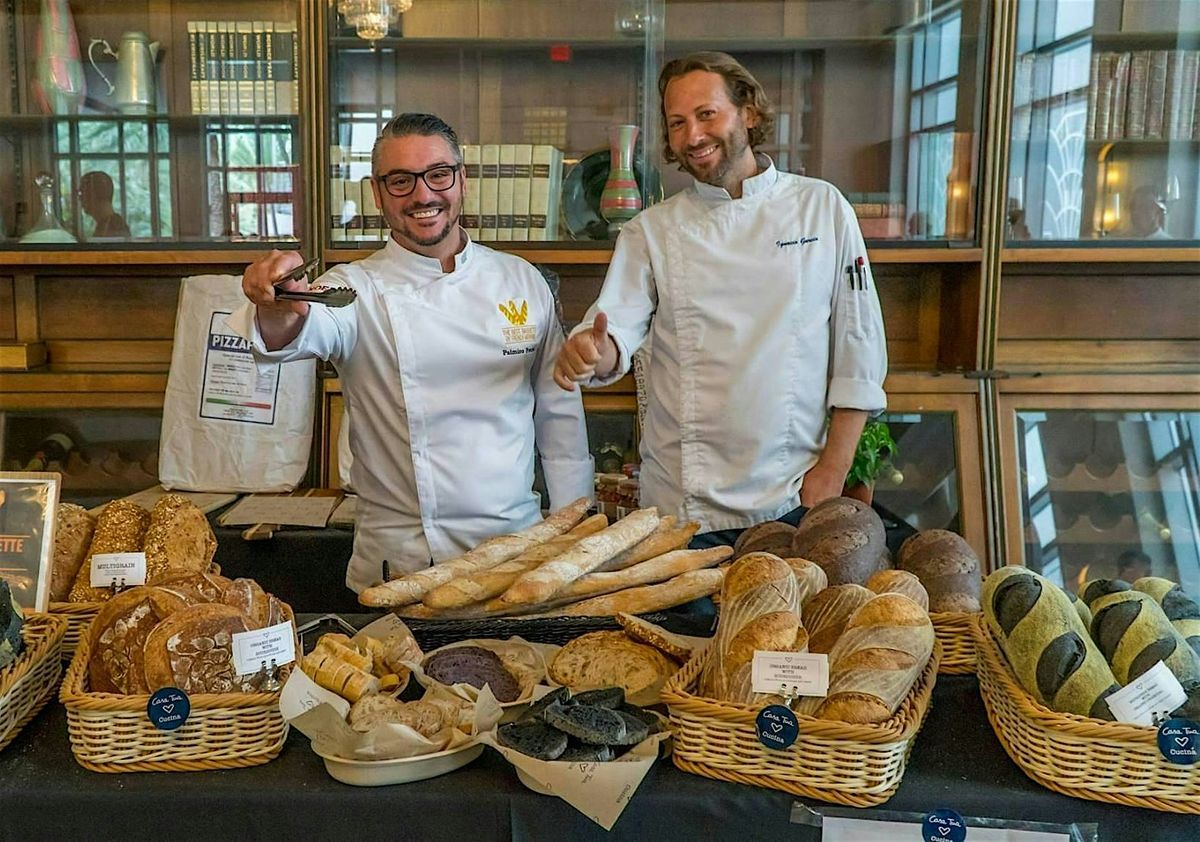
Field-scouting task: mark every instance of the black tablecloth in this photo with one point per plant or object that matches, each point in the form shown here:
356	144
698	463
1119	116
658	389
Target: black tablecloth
956	763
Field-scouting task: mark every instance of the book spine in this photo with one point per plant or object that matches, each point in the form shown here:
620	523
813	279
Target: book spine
270	106
212	64
1191	78
1135	106
470	217
1120	95
504	201
194	66
354	209
489	178
522	184
1156	90
372	219
337	196
539	190
554	193
1093	94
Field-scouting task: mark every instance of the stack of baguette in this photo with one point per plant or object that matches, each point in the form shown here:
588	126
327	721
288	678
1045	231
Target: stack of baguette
564	565
1071	656
175	536
878	641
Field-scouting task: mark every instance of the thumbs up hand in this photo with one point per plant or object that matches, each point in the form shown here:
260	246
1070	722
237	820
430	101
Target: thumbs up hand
585	355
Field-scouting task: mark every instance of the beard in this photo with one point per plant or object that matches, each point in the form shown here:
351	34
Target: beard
729	149
400	223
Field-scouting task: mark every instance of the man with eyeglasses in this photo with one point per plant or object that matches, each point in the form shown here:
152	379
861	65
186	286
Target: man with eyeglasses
446	360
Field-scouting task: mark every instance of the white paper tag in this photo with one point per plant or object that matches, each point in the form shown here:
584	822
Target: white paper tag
256	649
126	569
1156	692
790	673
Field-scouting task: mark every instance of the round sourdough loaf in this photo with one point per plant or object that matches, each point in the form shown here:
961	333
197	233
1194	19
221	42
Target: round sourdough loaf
846	538
118	637
946	566
611	659
193	650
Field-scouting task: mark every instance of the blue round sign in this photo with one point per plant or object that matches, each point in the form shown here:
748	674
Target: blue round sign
1179	741
168	708
943	825
777	727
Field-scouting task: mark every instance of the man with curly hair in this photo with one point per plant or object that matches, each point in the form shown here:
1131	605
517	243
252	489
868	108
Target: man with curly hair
752	293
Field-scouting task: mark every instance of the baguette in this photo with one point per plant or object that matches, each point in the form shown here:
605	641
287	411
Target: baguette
541	583
409	589
665	566
677	591
661	540
476	587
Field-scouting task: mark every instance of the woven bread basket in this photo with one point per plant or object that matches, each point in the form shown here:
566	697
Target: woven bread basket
112	733
79	616
28	683
857	765
953	630
1077	755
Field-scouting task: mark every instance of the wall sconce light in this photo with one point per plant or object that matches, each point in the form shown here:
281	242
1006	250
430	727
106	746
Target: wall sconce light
372	19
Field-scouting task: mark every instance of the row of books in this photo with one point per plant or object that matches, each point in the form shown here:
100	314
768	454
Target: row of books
244	67
512	194
1144	94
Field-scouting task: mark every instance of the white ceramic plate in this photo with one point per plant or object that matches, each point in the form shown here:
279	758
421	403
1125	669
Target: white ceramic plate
400	771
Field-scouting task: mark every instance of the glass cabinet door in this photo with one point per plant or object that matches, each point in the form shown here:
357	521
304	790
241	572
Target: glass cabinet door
149	123
1105	137
881	98
536	91
1106	492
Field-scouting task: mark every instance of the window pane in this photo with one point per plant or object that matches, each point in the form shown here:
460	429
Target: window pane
1071	16
137	137
166	227
948	64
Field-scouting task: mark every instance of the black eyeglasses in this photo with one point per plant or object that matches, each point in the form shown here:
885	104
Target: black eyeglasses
400	183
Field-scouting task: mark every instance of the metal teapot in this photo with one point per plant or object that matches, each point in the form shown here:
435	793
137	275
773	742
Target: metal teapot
135	72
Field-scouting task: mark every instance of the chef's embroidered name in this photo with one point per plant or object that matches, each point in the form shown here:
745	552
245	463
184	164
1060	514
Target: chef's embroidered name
803	241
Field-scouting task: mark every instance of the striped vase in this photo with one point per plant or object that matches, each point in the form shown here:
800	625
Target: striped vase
621	199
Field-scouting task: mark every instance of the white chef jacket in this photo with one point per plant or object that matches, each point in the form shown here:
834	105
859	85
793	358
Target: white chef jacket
449	379
753	332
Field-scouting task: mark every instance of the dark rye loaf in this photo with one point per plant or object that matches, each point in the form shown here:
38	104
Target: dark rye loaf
946	566
846	538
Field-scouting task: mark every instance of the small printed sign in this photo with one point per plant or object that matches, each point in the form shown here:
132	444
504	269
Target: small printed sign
777	727
122	569
1148	698
260	649
168	708
1179	741
790	673
943	825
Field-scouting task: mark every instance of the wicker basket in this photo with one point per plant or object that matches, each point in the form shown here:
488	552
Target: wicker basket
111	732
28	682
1076	755
857	765
953	630
79	616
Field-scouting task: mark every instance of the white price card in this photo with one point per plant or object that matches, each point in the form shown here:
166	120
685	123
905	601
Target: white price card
125	569
1156	692
790	673
254	650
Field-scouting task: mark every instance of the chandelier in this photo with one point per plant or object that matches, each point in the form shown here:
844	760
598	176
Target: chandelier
371	19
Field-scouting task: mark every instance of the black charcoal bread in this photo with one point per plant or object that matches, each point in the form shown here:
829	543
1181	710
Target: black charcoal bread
1046	644
559	695
846	538
11	620
533	738
1134	634
1093	589
588	724
1180	608
578	752
606	697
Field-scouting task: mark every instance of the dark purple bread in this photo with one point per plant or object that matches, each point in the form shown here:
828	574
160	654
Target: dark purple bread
475	666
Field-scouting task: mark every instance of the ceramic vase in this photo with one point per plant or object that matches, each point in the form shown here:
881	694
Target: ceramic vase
621	199
58	84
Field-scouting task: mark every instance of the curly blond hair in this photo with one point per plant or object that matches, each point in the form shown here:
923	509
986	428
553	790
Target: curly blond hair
743	89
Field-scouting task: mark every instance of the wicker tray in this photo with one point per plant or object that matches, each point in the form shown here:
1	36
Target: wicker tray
79	616
858	765
28	682
431	634
953	630
111	732
1077	755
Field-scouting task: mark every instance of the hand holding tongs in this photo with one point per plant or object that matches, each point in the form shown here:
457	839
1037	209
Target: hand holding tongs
330	296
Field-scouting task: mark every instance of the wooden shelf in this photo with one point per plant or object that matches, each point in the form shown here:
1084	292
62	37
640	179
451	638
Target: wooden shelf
1102	254
35	121
232	256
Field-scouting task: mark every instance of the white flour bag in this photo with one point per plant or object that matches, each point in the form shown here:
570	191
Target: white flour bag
229	423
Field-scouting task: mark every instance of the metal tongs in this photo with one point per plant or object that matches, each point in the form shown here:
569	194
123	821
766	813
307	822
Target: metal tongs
330	296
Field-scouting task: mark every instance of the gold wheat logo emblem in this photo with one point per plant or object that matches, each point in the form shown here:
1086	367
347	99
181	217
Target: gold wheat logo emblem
515	315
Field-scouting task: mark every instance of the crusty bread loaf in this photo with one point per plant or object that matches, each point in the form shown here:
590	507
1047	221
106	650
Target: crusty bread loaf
118	637
476	587
369	712
610	659
544	581
193	650
846	538
679	647
665	538
247	596
826	614
810	577
760	603
73	528
120	528
660	569
196	587
773	537
677	591
178	539
946	566
902	582
409	589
